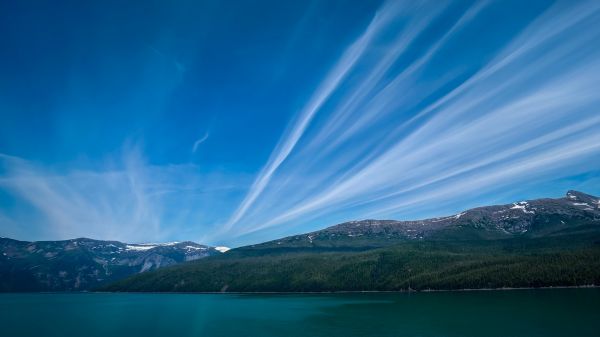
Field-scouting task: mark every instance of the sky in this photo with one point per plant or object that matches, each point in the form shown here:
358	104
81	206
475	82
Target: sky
236	122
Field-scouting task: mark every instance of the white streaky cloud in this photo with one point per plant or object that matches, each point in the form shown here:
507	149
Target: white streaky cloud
525	170
380	100
340	117
584	127
407	157
519	113
554	21
514	172
408	119
198	142
323	92
85	202
125	199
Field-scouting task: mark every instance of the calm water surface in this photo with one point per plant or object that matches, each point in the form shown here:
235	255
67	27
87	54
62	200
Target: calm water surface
560	312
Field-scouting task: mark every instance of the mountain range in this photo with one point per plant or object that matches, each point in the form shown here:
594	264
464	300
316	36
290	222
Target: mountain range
83	264
533	243
577	212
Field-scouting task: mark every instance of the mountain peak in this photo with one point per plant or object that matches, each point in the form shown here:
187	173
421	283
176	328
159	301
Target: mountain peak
580	196
83	263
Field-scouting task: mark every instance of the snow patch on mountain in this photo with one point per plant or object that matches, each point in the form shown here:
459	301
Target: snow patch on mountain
194	248
522	205
139	247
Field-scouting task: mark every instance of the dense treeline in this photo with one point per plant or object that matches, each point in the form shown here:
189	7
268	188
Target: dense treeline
561	261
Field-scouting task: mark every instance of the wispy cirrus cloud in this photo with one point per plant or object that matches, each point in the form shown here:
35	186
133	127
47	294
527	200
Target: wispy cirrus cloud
431	108
125	198
392	144
88	203
380	22
198	142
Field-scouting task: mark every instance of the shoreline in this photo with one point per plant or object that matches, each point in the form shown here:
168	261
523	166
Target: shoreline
591	286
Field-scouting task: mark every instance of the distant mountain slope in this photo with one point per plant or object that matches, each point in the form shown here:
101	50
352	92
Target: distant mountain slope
544	242
81	264
577	212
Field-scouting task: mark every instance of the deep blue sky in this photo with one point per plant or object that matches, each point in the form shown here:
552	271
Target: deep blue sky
231	122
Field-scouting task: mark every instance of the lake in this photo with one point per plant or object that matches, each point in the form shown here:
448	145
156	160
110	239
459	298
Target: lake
545	312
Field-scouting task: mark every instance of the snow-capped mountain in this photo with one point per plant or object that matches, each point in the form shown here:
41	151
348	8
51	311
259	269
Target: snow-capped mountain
81	264
533	243
576	212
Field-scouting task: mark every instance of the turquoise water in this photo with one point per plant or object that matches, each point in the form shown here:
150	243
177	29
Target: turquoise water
560	312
